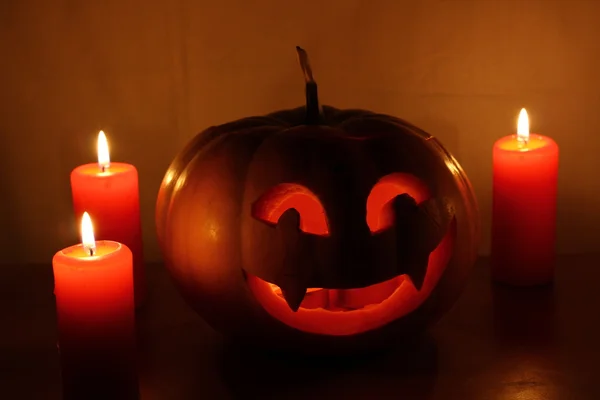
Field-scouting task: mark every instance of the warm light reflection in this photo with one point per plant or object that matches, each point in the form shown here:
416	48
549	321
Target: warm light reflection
103	156
168	177
523	126
87	234
528	378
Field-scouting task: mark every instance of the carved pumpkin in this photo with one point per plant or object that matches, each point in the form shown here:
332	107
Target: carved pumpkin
316	228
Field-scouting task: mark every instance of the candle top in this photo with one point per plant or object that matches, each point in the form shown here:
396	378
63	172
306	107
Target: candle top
107	256
514	143
90	255
524	141
102	248
115	169
104	167
90	249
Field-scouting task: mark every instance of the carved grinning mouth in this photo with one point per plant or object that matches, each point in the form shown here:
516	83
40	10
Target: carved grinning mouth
344	300
350	311
342	312
423	248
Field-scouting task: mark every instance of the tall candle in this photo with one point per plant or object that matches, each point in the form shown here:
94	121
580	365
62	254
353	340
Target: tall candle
93	285
109	193
525	168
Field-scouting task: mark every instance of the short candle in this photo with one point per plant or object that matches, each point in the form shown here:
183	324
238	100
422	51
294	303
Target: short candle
95	308
525	168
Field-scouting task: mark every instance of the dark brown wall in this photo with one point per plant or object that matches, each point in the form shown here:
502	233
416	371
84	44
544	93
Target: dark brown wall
153	73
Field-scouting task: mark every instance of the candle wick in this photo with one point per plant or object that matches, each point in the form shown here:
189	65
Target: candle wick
91	251
103	168
522	141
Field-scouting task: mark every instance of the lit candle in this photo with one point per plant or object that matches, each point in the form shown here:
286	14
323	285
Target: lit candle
109	192
93	285
525	168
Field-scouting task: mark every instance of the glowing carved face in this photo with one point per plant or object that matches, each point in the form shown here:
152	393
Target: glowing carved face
401	254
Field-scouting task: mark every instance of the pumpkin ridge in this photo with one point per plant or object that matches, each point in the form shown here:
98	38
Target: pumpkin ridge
193	152
173	173
178	182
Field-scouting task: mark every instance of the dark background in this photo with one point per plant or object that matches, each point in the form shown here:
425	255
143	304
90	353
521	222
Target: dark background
151	74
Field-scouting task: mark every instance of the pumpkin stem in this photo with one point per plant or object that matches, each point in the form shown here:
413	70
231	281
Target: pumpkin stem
313	109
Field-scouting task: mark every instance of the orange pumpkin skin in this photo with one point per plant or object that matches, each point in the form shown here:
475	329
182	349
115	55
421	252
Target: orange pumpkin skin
217	225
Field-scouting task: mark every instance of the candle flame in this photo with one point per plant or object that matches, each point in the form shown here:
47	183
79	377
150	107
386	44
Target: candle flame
103	155
87	234
523	126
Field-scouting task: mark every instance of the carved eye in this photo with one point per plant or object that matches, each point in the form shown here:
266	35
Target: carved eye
380	215
277	200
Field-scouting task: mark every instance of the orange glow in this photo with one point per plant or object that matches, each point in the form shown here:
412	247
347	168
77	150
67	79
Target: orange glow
347	299
380	215
341	312
103	154
87	234
282	197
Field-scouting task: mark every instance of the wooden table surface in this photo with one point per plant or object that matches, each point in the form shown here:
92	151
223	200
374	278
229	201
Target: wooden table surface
496	343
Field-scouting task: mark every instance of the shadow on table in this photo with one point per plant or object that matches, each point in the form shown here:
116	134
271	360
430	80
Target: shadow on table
394	373
526	336
524	316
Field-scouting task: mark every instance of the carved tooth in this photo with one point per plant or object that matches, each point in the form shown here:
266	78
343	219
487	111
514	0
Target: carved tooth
297	261
293	293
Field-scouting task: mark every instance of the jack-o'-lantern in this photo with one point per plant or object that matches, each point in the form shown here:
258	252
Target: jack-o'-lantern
316	228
